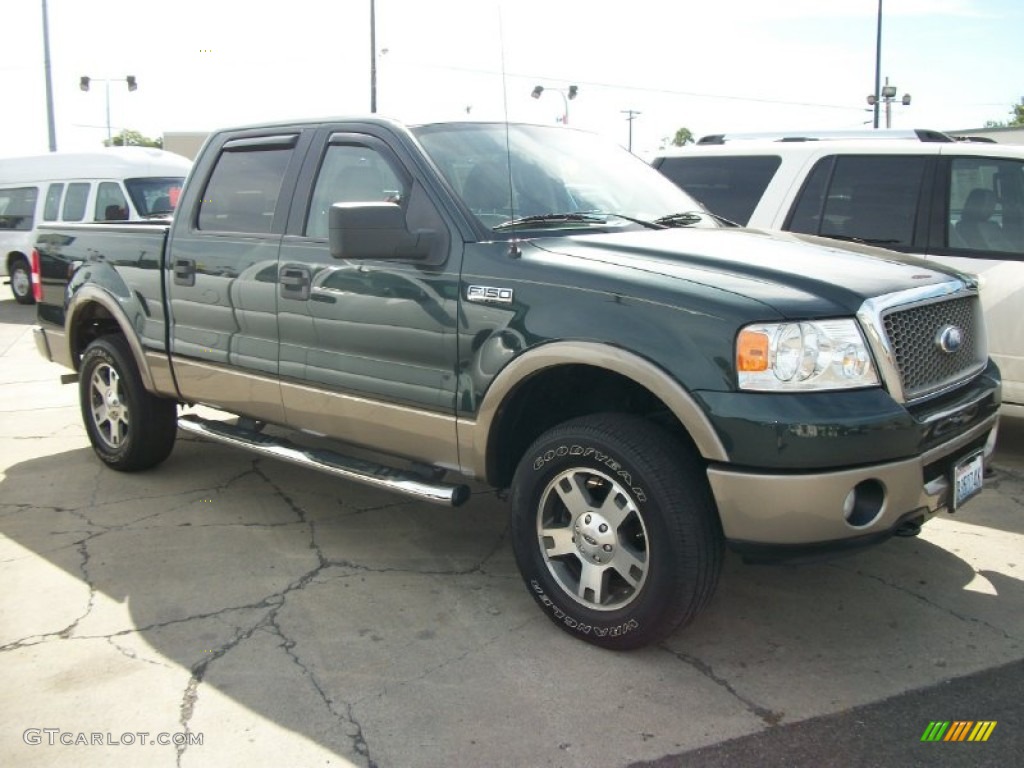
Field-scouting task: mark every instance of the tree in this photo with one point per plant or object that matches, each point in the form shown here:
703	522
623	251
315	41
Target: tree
682	138
1016	118
132	139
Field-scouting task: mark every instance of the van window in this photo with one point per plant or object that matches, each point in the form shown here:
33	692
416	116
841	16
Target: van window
18	208
986	205
110	203
51	210
729	186
75	201
243	190
155	196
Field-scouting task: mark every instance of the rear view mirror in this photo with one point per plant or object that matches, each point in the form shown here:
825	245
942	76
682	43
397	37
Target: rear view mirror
375	231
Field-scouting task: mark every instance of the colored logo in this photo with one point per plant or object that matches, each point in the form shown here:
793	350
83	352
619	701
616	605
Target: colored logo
958	730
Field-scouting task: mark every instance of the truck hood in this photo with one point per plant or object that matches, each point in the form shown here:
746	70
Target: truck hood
797	275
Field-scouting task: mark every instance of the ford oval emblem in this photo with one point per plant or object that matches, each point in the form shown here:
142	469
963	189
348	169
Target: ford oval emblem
950	339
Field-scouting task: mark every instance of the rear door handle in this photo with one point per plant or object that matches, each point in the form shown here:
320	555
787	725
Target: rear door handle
295	282
185	272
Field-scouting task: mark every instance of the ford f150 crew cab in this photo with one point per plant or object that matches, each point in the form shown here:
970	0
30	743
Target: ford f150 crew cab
529	308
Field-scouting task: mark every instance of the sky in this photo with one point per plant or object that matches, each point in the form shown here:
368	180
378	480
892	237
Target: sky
712	67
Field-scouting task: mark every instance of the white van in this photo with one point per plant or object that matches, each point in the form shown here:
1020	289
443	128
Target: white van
959	203
115	184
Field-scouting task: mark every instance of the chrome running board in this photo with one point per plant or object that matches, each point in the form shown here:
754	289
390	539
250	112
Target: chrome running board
346	467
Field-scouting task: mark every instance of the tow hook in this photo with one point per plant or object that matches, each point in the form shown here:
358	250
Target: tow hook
908	528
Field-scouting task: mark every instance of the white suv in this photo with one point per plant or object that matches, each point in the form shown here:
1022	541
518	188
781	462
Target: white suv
960	203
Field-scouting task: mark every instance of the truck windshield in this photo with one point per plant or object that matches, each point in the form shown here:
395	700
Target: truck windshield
155	196
534	177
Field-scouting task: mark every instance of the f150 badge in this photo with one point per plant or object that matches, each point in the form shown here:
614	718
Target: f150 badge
488	294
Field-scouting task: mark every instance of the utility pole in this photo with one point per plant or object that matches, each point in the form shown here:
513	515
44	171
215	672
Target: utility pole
631	115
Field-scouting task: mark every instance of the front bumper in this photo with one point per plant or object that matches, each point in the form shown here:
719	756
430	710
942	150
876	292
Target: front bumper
805	511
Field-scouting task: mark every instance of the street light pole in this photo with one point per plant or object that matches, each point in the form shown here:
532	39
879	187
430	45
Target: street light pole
567	96
84	83
631	115
878	62
49	84
373	57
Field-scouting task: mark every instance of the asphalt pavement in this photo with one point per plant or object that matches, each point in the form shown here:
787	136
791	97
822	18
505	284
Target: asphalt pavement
227	610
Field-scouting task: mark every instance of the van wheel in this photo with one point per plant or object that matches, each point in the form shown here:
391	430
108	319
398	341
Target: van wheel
129	428
21	281
615	530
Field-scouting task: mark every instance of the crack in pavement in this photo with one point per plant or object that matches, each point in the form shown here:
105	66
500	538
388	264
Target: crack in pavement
768	716
924	599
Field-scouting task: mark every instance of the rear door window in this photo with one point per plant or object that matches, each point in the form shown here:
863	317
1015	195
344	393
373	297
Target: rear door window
728	186
986	206
866	198
242	193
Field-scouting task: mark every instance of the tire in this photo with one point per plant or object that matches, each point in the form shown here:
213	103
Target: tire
615	530
21	281
129	428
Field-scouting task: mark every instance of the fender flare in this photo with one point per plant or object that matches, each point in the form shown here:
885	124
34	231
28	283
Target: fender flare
478	440
92	294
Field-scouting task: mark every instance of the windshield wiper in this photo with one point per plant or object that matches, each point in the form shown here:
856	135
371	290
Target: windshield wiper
862	240
685	219
585	217
549	218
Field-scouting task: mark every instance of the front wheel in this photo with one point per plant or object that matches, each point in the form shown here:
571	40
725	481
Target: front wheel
129	428
21	282
614	530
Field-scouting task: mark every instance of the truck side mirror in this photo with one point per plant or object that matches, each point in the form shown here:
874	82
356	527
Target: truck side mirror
375	231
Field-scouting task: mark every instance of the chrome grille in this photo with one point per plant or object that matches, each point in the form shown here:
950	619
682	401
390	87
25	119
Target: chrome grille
913	332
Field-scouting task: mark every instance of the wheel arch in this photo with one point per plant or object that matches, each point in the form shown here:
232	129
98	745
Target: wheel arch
13	256
92	313
530	395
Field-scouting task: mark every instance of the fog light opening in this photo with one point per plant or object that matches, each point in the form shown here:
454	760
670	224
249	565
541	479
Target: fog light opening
863	504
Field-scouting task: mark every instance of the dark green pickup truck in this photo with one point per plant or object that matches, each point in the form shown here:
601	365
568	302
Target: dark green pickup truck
529	308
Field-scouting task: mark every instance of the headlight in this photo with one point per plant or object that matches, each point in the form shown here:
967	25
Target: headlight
786	357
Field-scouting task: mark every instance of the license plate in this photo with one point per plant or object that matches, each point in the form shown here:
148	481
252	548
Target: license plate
968	478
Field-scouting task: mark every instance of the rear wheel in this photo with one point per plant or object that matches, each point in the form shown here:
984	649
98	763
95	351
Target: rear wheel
615	531
21	281
129	428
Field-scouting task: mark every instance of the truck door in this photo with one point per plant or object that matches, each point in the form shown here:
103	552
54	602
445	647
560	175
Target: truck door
368	347
223	282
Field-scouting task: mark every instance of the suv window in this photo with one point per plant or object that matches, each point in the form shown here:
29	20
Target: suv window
728	186
868	198
17	208
242	192
986	205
